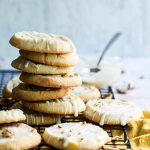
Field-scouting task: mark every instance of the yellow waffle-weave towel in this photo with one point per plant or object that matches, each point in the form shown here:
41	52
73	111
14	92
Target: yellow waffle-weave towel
139	132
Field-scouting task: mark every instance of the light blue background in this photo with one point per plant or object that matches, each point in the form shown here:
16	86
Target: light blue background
89	23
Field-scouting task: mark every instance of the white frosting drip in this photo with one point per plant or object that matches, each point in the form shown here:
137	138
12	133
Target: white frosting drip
14	113
118	110
75	108
102	120
78	133
12	83
69	104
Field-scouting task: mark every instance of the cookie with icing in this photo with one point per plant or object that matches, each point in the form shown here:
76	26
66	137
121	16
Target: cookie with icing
42	42
36	118
86	92
69	104
61	60
26	65
18	136
13	115
55	81
27	92
75	136
7	90
112	112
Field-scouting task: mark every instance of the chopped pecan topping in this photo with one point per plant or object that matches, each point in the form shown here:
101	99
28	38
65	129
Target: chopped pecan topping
32	130
7	133
83	122
59	126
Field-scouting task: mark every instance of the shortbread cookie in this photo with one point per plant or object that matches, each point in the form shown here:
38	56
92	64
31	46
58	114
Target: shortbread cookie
7	90
112	112
86	92
18	136
35	93
42	42
70	104
76	136
56	81
26	65
62	60
14	115
36	118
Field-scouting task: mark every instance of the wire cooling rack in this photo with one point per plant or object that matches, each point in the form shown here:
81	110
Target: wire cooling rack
117	142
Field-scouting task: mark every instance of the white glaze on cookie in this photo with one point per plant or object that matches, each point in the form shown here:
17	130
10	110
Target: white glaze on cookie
108	111
18	136
80	135
13	115
70	104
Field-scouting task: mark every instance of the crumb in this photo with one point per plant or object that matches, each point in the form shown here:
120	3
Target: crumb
123	88
59	126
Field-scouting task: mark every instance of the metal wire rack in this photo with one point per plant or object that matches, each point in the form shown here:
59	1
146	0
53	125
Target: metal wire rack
117	142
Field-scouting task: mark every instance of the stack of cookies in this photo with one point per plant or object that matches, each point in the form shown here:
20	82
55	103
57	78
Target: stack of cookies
46	62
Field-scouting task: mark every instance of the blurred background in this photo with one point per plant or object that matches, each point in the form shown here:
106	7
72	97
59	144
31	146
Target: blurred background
89	23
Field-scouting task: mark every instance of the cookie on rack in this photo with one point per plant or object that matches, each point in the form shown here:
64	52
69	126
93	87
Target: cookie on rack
36	118
27	92
69	104
13	115
86	92
55	81
7	90
112	112
26	65
42	42
75	136
62	60
18	136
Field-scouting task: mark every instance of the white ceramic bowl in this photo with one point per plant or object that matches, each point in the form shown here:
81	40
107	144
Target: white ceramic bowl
110	70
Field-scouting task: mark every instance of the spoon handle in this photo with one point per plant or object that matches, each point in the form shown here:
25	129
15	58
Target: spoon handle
112	40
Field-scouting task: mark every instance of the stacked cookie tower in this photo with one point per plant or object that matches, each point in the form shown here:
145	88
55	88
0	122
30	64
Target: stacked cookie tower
46	63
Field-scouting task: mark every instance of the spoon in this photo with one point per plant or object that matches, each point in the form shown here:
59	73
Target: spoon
111	41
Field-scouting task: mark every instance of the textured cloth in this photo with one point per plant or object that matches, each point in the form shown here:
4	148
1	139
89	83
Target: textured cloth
139	132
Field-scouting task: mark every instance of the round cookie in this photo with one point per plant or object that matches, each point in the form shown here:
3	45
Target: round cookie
70	104
42	42
112	112
86	92
14	115
26	65
36	118
61	60
18	136
56	81
76	136
27	92
7	90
